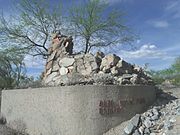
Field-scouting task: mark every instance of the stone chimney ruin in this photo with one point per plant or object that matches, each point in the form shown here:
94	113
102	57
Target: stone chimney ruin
65	68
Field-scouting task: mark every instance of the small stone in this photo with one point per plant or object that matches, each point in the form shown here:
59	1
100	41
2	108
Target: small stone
106	69
94	66
172	120
76	78
146	131
135	120
125	82
155	117
149	114
55	67
147	123
100	72
103	63
50	77
89	58
49	65
98	61
103	79
129	128
141	130
87	71
79	63
153	123
51	57
49	71
70	69
114	71
120	79
53	35
63	71
100	54
143	80
137	68
134	79
62	80
155	111
142	118
127	76
136	132
152	133
50	50
79	56
56	44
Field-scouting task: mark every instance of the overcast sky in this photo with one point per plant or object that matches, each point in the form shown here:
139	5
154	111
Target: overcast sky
157	22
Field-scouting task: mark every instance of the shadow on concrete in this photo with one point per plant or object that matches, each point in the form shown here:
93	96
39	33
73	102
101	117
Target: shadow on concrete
163	97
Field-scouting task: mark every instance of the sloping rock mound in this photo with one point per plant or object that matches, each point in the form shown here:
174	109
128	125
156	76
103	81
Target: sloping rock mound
65	68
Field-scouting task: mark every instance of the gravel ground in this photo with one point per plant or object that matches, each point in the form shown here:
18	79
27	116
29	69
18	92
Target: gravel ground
162	118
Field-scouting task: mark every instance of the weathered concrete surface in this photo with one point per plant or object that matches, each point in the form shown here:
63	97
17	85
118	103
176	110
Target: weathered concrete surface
71	110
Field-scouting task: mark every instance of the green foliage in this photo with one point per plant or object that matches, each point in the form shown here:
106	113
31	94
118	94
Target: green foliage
172	74
176	65
156	76
98	27
11	67
92	22
31	82
176	69
13	71
32	26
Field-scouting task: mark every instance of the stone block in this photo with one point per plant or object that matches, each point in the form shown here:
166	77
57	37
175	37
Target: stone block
49	65
51	57
66	62
63	71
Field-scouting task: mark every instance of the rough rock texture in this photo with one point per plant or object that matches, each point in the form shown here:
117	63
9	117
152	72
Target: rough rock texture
65	68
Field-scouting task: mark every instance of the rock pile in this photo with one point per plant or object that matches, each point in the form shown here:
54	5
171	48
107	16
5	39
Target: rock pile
65	68
144	124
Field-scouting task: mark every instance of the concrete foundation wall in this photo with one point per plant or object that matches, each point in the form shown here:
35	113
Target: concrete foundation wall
74	110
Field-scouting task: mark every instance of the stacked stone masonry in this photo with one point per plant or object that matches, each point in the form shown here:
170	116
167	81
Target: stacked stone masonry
65	68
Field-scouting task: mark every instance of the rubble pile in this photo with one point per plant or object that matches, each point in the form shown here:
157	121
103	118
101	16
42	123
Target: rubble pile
162	118
65	68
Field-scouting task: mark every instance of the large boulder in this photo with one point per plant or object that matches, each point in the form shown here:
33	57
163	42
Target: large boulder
124	67
109	61
66	62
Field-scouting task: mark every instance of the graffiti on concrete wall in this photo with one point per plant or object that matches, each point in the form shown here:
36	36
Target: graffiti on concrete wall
107	107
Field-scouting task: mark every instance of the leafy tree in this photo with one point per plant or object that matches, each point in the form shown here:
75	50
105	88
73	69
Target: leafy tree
32	26
176	65
11	67
27	82
97	26
35	20
176	69
172	74
156	76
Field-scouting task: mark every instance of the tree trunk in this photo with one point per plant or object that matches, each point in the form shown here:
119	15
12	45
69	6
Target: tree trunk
87	45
